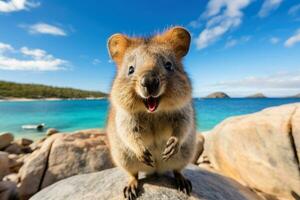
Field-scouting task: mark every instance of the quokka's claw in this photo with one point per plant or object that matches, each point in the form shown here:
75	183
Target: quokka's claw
146	158
184	185
131	191
171	148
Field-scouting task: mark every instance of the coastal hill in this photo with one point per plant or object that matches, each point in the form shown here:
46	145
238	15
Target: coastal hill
36	91
257	95
217	95
296	96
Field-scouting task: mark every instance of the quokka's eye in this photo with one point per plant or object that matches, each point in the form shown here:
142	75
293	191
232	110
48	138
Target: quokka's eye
169	66
130	70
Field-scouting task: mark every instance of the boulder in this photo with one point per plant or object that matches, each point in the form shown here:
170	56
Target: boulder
33	169
109	184
259	150
61	156
4	164
8	191
5	140
77	153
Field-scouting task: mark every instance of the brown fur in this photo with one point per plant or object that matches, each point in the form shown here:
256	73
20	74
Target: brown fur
133	131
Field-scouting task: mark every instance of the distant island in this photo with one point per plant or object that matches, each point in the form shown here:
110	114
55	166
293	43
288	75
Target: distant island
296	96
217	95
11	90
257	95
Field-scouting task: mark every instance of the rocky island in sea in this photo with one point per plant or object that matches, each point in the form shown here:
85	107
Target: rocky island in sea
217	95
257	96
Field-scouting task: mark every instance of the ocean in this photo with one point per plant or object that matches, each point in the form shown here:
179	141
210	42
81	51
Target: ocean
72	115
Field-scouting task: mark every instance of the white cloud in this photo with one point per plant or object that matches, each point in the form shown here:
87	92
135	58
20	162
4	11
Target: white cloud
26	59
16	5
294	10
233	42
35	53
283	80
96	61
222	16
293	39
43	28
5	47
274	40
269	6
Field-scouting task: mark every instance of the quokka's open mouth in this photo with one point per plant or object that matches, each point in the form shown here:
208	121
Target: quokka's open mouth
151	103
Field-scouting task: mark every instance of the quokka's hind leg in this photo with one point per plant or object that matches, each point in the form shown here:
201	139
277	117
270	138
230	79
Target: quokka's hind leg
184	185
131	190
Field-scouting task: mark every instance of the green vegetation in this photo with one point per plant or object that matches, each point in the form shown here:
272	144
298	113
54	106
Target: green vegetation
35	91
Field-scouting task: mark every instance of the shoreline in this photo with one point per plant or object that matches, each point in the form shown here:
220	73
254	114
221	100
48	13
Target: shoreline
47	99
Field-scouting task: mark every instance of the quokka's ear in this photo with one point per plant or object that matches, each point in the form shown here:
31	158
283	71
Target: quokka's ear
117	46
179	38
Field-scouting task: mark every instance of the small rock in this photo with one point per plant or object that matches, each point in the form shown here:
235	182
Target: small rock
5	140
13	148
26	149
24	142
51	131
12	178
8	191
4	164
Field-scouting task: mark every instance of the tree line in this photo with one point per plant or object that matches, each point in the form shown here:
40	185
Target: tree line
36	91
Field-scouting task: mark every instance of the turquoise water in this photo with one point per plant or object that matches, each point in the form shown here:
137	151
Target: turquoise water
83	114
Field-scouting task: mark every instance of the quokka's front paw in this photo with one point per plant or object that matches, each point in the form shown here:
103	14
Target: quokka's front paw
171	148
131	190
146	158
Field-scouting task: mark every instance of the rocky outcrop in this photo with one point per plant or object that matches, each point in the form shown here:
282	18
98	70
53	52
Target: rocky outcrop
257	96
260	150
61	156
5	140
217	95
109	184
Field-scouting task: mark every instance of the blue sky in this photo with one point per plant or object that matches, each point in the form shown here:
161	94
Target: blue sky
238	46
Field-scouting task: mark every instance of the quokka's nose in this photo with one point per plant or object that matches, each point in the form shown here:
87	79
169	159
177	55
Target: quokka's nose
150	81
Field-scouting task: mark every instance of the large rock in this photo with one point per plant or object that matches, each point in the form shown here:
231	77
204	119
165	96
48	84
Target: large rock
260	150
61	156
5	140
34	167
109	184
